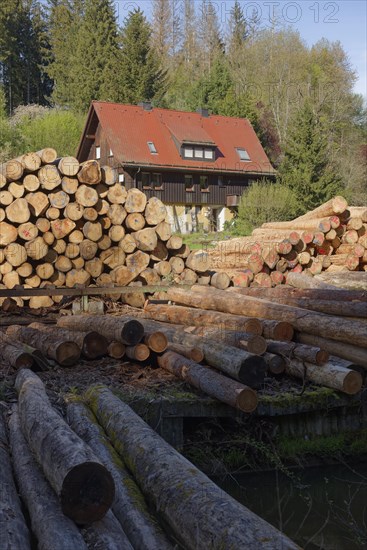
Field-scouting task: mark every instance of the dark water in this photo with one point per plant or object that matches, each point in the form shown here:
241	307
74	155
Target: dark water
319	508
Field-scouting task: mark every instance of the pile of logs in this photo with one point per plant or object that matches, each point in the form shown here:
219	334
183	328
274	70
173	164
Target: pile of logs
95	480
332	239
64	224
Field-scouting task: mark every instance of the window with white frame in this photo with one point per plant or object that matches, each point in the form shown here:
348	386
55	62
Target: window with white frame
152	148
188	152
209	154
198	153
98	152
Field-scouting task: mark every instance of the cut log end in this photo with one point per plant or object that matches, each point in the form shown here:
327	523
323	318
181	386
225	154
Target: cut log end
68	354
132	332
87	493
251	372
95	345
156	341
352	382
247	400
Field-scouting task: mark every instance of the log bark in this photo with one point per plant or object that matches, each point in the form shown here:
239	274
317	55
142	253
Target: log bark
311	354
129	505
201	317
13	527
330	375
179	490
329	326
298	280
194	354
352	353
128	332
347	280
84	486
64	352
209	381
106	534
50	526
250	342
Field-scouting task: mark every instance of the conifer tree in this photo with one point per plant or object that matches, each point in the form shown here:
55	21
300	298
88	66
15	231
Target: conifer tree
210	36
97	56
237	27
141	77
306	168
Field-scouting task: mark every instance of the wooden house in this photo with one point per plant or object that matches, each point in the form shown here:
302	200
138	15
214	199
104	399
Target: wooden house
198	164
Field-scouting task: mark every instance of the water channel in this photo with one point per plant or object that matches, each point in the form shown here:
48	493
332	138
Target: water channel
319	508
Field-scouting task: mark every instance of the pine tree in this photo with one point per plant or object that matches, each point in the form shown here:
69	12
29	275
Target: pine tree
64	23
210	35
141	78
161	28
238	31
97	57
306	168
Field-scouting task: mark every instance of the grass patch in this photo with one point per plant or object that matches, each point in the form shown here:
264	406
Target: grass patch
201	240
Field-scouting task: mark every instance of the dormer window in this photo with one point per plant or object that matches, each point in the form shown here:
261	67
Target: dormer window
209	154
243	154
152	148
188	152
197	152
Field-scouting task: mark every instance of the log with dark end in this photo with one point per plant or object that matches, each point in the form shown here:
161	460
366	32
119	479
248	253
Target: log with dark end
178	489
129	332
84	486
129	505
14	534
51	527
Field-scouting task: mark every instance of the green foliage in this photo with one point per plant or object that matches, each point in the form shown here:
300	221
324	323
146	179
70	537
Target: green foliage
306	168
141	78
264	201
58	128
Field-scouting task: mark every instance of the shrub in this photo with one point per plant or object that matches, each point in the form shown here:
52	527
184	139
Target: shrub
262	202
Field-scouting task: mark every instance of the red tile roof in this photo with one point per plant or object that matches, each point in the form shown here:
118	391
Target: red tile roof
128	129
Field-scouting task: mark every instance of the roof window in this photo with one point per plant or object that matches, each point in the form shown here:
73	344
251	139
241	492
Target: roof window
243	154
152	148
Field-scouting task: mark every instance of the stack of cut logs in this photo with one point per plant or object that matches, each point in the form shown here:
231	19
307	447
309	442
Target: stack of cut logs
331	238
96	480
64	224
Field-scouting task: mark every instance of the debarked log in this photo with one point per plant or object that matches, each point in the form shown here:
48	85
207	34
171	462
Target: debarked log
84	486
182	494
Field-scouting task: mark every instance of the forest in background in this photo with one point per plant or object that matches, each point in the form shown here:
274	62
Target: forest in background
57	56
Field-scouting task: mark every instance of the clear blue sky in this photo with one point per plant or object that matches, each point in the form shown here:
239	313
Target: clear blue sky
344	20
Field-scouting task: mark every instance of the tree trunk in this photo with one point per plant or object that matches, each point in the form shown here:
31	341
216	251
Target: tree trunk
129	505
51	527
330	375
128	332
346	351
350	281
83	484
13	527
64	352
250	342
199	317
179	490
329	326
106	534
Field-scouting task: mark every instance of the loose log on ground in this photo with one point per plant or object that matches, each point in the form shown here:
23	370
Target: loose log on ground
129	505
64	352
303	320
13	527
237	363
355	354
311	354
179	490
113	328
50	526
200	317
84	486
330	375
